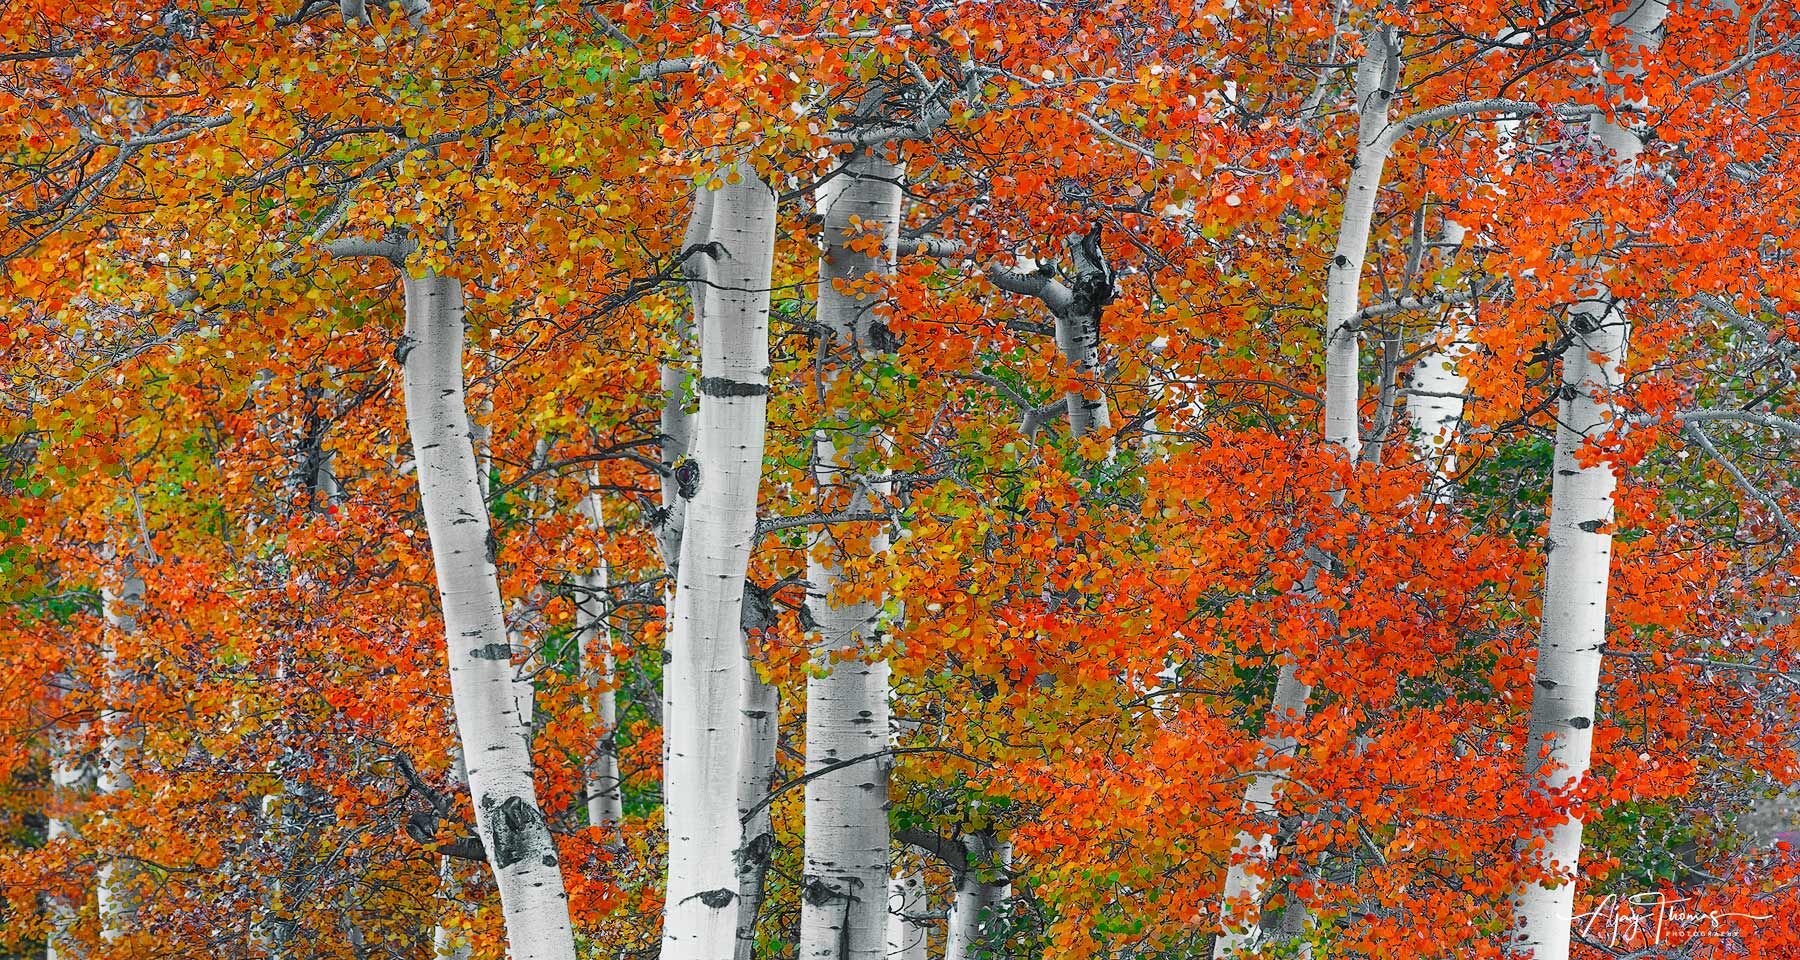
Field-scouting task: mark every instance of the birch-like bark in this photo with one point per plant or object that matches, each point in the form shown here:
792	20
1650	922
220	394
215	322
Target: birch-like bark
495	745
449	942
69	778
1247	877
1578	568
1436	404
1377	74
983	888
114	885
907	934
1078	336
760	703
1076	308
524	692
605	803
843	909
705	663
676	424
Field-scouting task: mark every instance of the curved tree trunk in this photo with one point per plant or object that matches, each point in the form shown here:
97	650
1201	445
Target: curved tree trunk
843	911
496	748
1579	564
705	662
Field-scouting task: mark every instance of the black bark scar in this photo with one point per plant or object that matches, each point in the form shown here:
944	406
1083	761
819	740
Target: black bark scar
516	826
727	387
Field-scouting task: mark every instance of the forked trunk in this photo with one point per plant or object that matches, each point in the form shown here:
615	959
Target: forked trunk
705	659
496	748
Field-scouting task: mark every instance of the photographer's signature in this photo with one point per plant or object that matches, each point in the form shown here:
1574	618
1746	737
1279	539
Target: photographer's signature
1648	919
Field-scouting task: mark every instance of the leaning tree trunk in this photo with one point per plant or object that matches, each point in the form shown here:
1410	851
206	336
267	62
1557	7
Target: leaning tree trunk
496	748
1579	564
843	908
705	660
1376	76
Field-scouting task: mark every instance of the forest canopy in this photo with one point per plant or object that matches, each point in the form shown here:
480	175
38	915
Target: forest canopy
1095	480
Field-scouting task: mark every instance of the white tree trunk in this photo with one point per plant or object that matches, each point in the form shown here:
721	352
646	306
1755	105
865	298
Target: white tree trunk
1247	877
520	849
1436	407
1078	337
114	885
1376	76
907	938
1579	565
605	804
705	662
981	900
843	908
448	942
760	703
676	424
69	778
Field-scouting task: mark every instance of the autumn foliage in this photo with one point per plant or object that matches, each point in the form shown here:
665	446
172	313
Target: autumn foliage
223	693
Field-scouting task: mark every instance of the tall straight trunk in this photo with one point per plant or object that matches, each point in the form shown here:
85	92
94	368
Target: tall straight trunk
907	937
450	941
495	745
115	884
1578	568
983	887
705	659
760	703
1377	74
1078	335
69	778
843	906
1436	406
594	638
